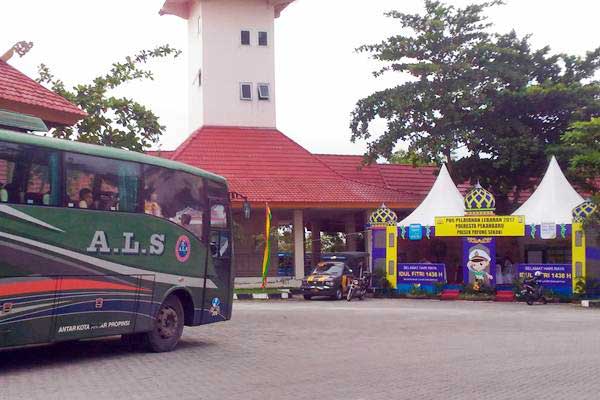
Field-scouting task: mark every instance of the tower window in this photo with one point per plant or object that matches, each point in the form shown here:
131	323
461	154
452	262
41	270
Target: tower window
263	91
262	39
245	91
245	37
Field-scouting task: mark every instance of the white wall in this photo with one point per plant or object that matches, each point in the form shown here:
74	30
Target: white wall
195	93
225	63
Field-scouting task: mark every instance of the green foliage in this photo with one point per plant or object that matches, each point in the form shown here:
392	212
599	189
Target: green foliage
483	290
490	97
412	157
582	144
586	288
438	288
112	121
417	291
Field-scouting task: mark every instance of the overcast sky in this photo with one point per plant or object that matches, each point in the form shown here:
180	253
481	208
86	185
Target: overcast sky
319	77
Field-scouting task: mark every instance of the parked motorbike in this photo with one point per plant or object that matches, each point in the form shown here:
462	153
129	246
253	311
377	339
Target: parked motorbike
532	292
358	287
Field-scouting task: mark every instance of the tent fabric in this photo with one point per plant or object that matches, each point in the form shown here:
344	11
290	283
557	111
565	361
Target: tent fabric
444	199
552	201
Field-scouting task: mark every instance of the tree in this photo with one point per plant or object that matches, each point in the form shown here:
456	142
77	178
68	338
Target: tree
488	98
582	141
412	157
112	121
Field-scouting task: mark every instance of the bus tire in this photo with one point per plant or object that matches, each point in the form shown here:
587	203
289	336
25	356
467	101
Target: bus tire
168	326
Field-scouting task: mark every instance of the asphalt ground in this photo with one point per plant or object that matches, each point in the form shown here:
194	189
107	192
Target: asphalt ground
374	349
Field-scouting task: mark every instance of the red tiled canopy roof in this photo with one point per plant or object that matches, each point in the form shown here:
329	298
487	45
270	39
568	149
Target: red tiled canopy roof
401	177
265	165
19	93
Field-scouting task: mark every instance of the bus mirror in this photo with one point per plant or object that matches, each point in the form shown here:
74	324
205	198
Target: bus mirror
246	208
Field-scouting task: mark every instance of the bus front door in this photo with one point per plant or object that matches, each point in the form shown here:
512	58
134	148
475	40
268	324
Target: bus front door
218	268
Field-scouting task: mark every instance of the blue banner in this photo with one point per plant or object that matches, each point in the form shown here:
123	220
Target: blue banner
415	232
552	274
418	273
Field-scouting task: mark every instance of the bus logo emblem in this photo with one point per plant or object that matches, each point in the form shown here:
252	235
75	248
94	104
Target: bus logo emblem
183	248
216	307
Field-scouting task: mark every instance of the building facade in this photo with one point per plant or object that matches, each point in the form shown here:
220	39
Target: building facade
232	114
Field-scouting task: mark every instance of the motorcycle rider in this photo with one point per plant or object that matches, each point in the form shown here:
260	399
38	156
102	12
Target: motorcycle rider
533	283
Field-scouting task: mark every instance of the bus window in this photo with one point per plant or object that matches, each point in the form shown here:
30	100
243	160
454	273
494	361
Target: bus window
101	183
28	174
175	195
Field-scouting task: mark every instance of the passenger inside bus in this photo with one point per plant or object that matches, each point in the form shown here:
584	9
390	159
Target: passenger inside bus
151	205
186	219
86	199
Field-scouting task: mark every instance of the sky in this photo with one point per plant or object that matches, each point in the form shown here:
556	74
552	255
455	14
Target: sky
319	76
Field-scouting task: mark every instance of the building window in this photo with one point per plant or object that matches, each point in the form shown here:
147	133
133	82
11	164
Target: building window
245	38
262	39
245	91
263	91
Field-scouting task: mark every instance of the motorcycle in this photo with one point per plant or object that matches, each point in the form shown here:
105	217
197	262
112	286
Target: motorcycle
532	292
358	287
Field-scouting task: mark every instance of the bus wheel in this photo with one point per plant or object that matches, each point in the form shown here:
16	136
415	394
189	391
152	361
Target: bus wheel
168	326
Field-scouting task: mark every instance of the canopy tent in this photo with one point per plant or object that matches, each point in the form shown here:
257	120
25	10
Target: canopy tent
552	201
443	199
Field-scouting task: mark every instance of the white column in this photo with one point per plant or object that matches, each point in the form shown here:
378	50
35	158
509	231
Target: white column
369	240
298	244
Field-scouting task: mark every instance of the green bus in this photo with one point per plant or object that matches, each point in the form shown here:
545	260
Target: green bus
97	241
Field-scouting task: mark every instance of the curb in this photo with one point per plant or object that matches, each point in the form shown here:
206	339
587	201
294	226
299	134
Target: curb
262	296
590	303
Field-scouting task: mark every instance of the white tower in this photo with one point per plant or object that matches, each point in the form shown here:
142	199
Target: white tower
231	60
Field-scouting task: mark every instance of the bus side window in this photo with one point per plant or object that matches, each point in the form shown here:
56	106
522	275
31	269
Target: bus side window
175	195
28	175
101	183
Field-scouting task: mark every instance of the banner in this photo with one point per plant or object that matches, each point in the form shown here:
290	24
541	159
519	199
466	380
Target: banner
479	260
424	274
548	230
267	252
415	232
480	225
552	274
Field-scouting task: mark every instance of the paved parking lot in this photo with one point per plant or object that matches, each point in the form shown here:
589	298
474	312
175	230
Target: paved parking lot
376	349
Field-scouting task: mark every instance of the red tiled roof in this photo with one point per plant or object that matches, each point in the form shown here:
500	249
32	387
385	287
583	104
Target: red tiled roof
161	153
401	177
19	93
265	165
351	166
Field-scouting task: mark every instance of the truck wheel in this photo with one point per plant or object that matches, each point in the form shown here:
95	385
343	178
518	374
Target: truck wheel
307	297
168	326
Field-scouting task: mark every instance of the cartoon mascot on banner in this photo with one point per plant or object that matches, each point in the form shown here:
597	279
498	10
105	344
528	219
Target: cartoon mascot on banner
479	265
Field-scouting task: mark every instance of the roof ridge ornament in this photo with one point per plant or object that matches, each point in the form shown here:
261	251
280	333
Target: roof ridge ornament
383	216
479	200
21	48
